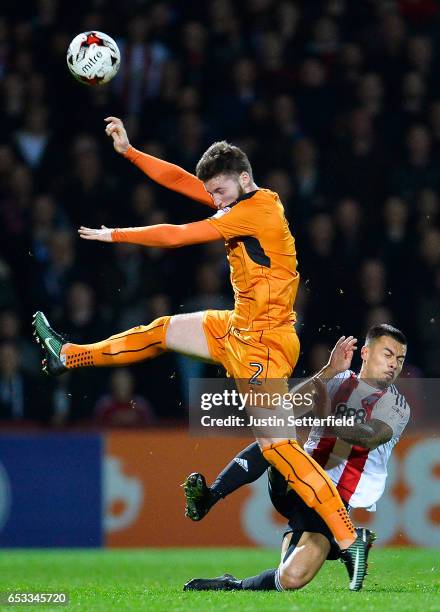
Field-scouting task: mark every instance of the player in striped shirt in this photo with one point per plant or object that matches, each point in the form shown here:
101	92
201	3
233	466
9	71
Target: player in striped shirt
354	457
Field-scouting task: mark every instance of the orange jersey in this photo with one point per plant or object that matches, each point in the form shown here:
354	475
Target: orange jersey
261	254
260	247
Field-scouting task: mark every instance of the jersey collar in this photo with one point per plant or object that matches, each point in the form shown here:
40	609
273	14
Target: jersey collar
245	196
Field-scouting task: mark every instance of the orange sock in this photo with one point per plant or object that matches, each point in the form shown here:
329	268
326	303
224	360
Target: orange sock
309	480
134	345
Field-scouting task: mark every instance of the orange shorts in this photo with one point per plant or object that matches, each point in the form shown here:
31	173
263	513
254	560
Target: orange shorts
258	355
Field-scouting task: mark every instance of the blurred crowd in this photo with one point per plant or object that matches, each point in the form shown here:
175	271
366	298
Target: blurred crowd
337	104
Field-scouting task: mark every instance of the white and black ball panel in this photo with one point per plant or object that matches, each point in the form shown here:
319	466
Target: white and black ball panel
93	58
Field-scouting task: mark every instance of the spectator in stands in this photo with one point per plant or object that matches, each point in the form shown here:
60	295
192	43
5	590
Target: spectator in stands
11	332
338	106
122	407
18	400
418	170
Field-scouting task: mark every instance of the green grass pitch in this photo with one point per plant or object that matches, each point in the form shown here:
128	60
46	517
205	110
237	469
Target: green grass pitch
399	579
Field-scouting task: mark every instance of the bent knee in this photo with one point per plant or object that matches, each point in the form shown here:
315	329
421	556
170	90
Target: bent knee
294	578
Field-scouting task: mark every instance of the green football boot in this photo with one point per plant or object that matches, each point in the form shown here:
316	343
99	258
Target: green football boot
51	342
198	496
355	558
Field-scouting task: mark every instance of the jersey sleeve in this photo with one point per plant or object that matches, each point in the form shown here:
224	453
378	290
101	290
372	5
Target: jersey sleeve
334	383
239	220
170	176
393	410
166	235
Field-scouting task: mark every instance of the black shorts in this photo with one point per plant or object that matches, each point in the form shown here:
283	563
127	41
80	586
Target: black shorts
300	517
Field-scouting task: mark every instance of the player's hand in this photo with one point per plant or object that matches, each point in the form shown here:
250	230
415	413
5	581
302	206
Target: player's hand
342	354
103	235
115	128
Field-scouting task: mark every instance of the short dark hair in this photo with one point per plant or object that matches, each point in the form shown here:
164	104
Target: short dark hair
222	158
384	329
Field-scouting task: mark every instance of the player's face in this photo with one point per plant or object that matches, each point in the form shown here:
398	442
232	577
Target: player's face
225	188
383	360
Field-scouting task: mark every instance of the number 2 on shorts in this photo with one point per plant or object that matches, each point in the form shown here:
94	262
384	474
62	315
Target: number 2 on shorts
253	380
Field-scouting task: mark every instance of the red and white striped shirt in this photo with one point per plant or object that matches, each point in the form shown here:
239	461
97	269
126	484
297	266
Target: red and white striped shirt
358	473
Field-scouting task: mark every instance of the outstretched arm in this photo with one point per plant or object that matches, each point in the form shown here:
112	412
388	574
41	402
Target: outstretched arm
168	175
164	235
339	361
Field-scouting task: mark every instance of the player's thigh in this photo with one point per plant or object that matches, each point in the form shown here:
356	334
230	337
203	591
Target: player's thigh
199	334
285	544
305	561
185	334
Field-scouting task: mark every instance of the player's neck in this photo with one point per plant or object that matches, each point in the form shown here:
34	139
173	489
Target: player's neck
251	187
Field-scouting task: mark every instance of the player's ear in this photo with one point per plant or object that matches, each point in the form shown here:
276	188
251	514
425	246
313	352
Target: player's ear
364	352
244	179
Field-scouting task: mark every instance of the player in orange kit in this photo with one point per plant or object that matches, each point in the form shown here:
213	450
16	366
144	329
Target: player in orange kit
256	342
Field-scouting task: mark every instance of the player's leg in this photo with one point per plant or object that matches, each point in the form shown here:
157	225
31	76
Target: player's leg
246	467
307	544
316	489
302	562
285	544
183	333
299	566
294	570
303	474
310	481
186	335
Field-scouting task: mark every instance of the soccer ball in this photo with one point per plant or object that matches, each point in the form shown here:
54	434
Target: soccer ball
93	58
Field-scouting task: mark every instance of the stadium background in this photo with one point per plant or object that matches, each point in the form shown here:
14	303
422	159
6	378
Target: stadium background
337	104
